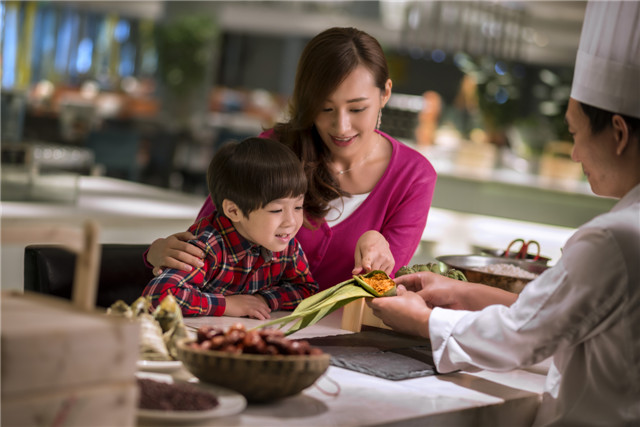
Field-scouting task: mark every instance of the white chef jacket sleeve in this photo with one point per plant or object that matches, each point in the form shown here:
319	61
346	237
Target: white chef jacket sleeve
567	303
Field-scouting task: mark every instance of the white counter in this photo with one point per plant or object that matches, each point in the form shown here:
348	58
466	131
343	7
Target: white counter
484	398
506	193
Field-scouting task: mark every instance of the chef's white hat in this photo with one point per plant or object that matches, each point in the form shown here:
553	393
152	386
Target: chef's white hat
607	69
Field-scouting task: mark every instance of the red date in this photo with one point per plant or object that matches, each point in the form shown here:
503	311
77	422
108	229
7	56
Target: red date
237	339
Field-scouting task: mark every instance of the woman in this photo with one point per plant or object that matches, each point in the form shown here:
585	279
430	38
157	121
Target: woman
584	311
369	195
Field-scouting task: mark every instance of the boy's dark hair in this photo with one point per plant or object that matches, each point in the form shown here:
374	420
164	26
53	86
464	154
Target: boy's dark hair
253	173
600	120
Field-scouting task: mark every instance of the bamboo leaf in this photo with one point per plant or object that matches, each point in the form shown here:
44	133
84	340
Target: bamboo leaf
330	300
319	315
309	302
314	308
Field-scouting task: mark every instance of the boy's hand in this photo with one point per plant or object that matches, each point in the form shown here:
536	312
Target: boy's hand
253	306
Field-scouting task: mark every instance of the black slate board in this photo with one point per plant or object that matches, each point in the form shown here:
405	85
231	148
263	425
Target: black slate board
379	352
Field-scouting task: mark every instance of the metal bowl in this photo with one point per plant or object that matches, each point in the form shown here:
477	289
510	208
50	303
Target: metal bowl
501	253
468	264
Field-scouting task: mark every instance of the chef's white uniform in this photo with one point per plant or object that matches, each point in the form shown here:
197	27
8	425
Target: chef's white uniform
584	311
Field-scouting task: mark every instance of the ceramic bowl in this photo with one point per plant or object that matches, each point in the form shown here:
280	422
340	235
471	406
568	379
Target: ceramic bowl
257	377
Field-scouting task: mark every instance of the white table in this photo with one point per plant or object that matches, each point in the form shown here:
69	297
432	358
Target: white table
484	398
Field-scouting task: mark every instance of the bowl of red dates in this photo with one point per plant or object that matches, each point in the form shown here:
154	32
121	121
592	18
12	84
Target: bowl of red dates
260	364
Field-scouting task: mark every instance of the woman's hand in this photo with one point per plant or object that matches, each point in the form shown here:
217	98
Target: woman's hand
253	306
373	253
406	312
175	252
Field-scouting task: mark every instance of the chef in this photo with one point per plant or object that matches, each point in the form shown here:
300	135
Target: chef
584	312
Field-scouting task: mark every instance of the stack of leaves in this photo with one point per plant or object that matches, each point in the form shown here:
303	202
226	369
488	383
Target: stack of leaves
310	310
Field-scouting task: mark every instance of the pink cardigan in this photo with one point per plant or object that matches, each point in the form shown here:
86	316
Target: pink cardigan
397	207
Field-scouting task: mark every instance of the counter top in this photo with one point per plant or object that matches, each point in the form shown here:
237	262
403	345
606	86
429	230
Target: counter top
127	212
462	398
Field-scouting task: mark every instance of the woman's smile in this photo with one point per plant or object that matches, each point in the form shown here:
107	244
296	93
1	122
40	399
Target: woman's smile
343	141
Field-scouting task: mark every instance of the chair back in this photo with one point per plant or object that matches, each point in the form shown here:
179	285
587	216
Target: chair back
122	274
83	242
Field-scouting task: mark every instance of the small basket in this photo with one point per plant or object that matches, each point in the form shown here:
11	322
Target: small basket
257	377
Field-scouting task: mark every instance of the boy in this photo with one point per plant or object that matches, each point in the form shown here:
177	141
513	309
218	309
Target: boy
253	264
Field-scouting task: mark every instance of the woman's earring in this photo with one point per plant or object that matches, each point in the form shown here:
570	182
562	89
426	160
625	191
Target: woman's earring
379	120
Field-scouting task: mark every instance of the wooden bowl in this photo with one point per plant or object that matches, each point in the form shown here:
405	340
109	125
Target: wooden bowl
468	264
259	378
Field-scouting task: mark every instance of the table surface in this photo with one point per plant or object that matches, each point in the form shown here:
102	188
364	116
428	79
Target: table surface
491	398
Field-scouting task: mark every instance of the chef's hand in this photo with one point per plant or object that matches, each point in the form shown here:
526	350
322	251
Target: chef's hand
406	312
253	306
175	252
441	291
373	253
435	290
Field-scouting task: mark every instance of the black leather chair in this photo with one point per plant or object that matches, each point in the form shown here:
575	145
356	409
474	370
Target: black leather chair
49	269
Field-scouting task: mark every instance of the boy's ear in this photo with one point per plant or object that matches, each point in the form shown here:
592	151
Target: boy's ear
231	210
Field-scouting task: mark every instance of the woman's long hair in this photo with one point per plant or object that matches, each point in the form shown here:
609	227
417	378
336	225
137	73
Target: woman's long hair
325	62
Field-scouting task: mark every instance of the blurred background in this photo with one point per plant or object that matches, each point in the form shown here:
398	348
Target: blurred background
172	80
146	91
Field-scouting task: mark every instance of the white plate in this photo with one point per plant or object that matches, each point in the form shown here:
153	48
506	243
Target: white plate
229	403
159	365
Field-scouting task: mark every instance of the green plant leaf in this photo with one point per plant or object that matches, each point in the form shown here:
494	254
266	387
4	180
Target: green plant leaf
317	306
320	296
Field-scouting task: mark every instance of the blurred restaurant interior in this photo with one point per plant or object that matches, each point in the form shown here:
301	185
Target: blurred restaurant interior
112	110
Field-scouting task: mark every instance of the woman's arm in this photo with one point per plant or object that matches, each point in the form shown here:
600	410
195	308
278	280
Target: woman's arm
174	251
405	201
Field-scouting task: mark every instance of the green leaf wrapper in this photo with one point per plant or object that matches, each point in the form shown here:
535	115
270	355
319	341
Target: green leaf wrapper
360	279
314	308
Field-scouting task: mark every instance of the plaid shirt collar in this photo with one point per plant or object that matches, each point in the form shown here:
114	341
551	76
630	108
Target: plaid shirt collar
238	246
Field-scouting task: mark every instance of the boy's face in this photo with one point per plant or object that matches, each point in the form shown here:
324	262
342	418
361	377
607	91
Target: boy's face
274	225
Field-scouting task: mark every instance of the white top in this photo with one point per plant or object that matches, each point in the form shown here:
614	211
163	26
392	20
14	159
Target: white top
342	207
585	312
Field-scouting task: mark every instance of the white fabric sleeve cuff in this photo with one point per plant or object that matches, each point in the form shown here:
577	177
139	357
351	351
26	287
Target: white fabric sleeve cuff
441	324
